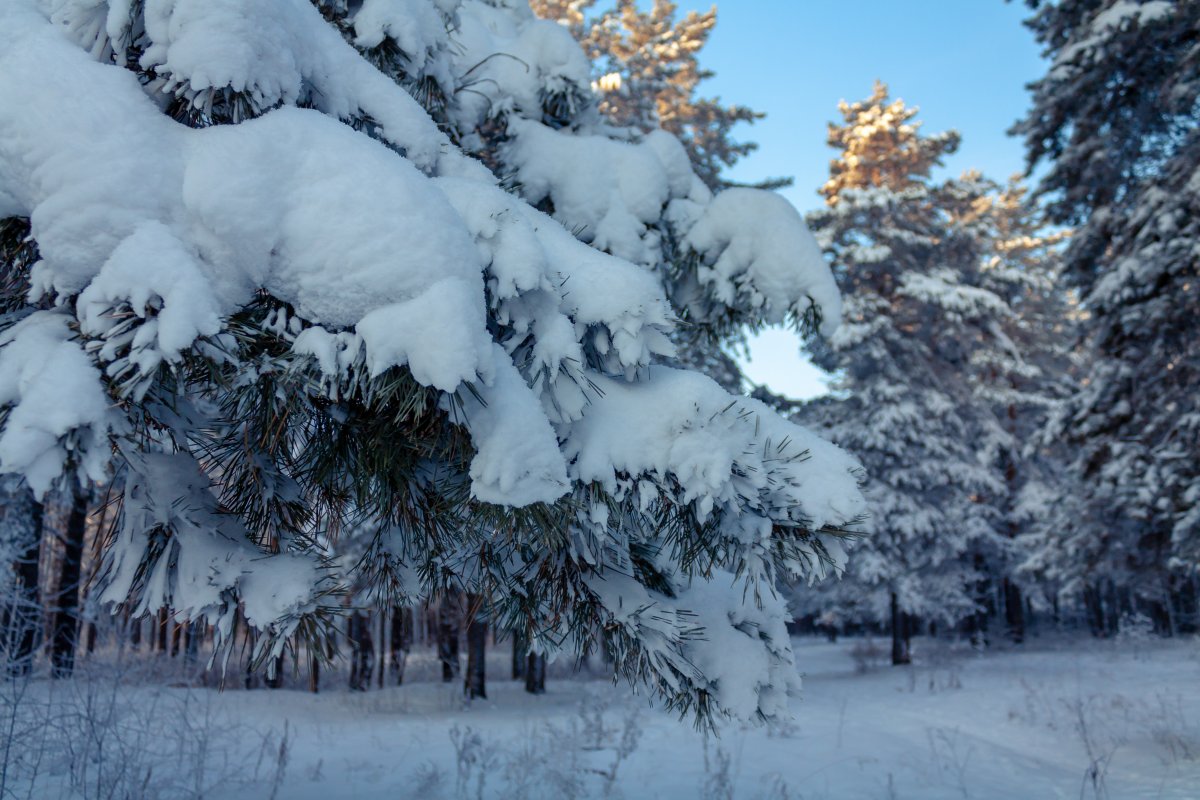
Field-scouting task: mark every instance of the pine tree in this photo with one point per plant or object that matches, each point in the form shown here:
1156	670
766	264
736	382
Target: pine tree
650	73
448	632
475	680
362	650
917	315
535	673
1022	368
1114	121
401	640
313	310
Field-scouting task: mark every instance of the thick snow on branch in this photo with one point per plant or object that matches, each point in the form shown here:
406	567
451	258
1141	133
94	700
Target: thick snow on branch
276	52
755	244
683	427
711	633
508	59
248	207
59	411
942	288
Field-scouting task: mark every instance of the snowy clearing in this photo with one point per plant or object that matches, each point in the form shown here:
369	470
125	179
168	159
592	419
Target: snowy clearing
1040	722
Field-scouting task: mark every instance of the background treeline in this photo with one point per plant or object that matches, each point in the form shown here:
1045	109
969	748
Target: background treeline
54	616
1017	368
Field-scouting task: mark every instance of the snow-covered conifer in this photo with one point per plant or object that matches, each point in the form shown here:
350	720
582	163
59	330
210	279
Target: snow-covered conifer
1114	120
649	72
917	317
1023	366
295	269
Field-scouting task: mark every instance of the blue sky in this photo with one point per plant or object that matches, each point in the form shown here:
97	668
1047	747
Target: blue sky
964	62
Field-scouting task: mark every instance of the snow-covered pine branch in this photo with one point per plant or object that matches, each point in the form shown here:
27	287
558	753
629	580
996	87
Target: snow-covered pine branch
280	287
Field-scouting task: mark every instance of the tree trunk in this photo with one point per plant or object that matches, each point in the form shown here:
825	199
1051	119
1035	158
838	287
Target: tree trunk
274	676
1094	609
1159	612
978	622
1014	612
476	681
1112	610
402	640
382	640
900	640
518	655
314	673
449	620
135	631
1185	601
66	609
535	674
251	642
362	655
23	617
162	626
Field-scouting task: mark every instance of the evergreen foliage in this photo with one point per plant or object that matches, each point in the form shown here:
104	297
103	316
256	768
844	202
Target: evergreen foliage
326	356
949	296
1114	121
650	72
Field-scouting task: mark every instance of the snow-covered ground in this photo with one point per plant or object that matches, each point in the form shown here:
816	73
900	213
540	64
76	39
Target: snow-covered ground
1062	718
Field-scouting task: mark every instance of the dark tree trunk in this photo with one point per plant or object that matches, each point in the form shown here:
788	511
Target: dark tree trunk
900	639
518	655
66	609
978	622
176	637
315	658
314	673
135	632
23	619
449	620
1185	600
274	676
535	674
1094	609
476	681
162	626
402	640
383	661
362	651
1112	610
251	642
1014	612
1159	612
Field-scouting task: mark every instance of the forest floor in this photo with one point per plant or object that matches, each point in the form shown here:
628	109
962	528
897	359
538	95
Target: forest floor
1055	718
